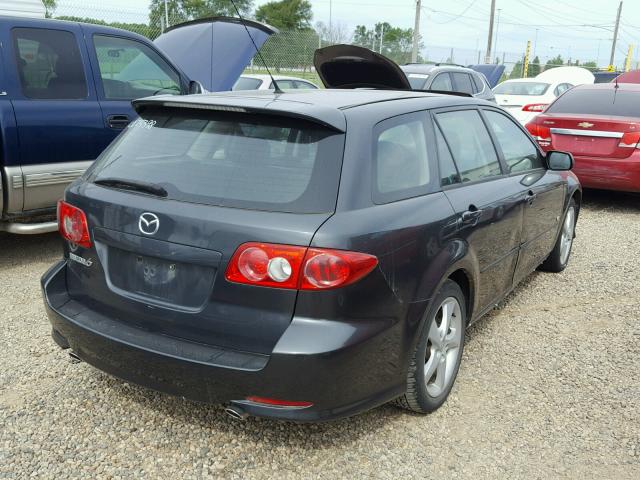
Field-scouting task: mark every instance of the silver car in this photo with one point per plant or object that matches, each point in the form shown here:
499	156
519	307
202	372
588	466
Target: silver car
448	78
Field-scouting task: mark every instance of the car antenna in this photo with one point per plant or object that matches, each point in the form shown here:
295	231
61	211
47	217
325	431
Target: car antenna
276	88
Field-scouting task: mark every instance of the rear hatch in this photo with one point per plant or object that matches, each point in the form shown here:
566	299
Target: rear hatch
170	201
595	121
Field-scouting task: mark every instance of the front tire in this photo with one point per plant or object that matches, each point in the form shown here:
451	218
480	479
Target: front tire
436	359
558	259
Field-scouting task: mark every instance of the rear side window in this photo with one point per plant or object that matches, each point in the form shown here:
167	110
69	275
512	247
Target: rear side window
598	101
462	82
300	84
284	84
49	64
520	154
251	161
470	144
478	82
246	83
401	160
442	82
130	69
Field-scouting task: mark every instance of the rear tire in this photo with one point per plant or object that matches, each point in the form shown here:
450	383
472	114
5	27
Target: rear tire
436	359
558	259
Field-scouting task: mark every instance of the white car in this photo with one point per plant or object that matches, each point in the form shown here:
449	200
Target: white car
263	82
525	98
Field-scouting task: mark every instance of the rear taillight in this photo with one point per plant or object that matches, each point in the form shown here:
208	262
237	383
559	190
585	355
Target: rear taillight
72	223
535	107
541	133
630	140
293	267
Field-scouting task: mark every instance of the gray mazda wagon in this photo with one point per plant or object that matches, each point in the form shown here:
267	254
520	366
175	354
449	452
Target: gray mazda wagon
306	255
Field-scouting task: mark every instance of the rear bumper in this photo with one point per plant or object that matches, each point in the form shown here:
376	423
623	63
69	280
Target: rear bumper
609	173
343	368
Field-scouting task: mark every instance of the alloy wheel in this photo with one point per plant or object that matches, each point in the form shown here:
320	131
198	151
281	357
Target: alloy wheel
566	238
443	345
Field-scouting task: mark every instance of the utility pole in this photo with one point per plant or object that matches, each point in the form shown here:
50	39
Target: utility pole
487	57
381	36
495	42
416	33
615	36
166	14
331	21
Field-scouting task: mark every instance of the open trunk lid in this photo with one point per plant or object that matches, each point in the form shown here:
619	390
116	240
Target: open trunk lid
350	66
159	260
213	51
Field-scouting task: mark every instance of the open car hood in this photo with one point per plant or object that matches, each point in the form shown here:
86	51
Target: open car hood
213	51
492	72
349	66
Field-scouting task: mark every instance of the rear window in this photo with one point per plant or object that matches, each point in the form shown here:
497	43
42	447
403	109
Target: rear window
607	101
257	162
521	88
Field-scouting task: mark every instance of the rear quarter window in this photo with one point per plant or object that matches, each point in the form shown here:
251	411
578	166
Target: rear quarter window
402	167
251	161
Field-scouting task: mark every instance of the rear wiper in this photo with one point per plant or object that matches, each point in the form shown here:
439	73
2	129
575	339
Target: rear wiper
134	185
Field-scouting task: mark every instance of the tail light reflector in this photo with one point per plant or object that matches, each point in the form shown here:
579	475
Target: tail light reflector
630	140
293	267
72	223
274	402
535	107
541	133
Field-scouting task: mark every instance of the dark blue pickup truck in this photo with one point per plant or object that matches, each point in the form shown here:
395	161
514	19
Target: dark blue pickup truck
66	91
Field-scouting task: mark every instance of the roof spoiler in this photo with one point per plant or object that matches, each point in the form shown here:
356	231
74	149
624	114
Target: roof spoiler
332	119
447	92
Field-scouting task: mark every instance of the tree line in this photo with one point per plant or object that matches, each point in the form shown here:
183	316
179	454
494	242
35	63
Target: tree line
298	38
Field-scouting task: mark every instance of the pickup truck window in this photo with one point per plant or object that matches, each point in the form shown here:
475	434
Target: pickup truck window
49	64
130	69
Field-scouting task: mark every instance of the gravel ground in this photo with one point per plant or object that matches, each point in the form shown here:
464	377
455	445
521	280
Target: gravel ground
549	388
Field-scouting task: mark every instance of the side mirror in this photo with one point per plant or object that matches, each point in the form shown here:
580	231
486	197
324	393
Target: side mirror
195	87
560	161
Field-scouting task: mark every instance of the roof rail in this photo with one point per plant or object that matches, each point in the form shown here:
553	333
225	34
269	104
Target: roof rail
435	64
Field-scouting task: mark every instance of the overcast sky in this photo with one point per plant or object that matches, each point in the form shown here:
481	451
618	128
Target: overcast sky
580	29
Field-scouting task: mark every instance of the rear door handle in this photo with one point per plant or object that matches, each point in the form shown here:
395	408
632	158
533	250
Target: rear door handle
118	122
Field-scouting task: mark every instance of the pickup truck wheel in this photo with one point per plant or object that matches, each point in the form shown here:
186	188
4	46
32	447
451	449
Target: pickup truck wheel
435	362
559	257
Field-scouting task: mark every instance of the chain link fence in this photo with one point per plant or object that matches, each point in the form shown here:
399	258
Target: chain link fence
289	52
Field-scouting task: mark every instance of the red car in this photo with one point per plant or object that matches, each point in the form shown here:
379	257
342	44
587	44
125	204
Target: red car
600	125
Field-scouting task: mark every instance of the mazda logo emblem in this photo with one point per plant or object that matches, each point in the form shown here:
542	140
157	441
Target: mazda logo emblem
149	223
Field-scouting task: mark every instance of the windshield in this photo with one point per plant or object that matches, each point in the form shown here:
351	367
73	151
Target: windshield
521	88
595	101
417	80
247	83
258	162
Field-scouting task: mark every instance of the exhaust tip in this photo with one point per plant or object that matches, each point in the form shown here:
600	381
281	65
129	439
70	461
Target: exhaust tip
74	357
236	413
